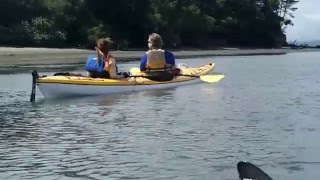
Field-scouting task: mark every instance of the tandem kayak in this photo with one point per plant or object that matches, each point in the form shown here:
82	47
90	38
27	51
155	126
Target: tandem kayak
58	86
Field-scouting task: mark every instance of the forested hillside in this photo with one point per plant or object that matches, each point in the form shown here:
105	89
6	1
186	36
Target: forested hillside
182	23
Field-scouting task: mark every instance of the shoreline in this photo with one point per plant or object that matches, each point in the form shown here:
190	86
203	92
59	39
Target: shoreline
14	59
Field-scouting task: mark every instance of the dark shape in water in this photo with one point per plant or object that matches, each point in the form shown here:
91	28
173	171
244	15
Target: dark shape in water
35	76
247	170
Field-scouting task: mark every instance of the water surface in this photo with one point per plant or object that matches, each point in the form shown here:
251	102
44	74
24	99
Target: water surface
264	111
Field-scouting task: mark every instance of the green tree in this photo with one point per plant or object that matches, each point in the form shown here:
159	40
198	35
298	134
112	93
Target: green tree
194	23
126	20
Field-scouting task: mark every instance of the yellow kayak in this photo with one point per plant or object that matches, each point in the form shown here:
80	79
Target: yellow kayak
78	85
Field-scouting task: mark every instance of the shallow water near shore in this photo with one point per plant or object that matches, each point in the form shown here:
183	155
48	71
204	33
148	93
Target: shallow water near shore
264	111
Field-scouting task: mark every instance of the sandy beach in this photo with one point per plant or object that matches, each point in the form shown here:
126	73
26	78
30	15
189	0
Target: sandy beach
15	57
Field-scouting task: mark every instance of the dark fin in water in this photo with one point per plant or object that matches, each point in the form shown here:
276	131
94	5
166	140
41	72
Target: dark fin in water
247	170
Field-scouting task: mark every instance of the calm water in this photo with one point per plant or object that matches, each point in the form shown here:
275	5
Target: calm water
266	111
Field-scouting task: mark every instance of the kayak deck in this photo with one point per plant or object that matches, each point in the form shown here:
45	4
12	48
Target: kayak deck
84	80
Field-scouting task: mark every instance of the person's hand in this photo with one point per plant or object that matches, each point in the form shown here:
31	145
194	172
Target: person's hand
125	74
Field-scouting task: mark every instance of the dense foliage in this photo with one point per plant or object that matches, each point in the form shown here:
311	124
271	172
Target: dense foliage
182	23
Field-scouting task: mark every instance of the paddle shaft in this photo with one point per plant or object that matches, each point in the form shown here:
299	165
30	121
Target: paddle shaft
205	78
187	75
209	78
146	76
174	75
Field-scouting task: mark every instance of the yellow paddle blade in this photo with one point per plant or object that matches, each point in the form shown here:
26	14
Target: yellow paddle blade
135	71
211	78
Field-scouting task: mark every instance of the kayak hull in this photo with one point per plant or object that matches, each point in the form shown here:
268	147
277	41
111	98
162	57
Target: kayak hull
70	86
50	90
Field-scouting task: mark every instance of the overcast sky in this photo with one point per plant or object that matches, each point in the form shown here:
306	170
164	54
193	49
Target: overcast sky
306	22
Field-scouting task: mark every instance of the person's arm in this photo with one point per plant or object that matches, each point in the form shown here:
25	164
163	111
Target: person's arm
113	70
143	62
170	60
100	56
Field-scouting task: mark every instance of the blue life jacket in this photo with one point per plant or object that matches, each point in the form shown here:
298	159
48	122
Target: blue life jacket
92	64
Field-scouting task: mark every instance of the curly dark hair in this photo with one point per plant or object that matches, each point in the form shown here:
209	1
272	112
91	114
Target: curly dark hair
104	44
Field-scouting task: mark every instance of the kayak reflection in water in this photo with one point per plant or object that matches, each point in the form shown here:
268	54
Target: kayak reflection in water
157	63
103	65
